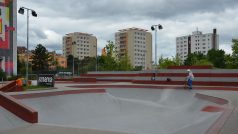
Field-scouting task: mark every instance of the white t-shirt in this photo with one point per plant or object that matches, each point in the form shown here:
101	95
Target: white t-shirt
190	75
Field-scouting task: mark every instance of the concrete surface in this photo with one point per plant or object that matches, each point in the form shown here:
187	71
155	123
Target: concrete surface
139	111
49	129
9	120
230	126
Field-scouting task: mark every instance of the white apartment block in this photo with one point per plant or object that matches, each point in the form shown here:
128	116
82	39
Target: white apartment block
137	43
197	42
79	45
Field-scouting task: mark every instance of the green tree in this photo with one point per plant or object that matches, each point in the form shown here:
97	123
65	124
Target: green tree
3	75
165	62
124	63
110	47
40	59
69	61
21	69
235	52
196	58
217	58
86	64
107	63
229	62
191	60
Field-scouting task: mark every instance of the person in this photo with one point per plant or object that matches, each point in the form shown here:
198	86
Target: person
190	78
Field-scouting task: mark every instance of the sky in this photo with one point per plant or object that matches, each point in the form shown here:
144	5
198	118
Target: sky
103	18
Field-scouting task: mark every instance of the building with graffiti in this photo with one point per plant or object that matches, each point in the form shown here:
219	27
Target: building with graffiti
8	37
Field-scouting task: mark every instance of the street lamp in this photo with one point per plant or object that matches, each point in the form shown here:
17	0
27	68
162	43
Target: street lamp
34	14
96	66
73	43
154	28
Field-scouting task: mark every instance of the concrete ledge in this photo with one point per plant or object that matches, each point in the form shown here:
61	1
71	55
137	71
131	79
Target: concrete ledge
10	87
85	79
212	99
22	111
182	83
163	74
190	67
55	93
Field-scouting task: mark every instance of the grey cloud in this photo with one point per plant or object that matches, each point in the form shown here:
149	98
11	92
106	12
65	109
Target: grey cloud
38	33
103	18
79	9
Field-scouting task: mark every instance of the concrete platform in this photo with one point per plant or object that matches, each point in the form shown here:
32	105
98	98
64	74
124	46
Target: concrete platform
121	110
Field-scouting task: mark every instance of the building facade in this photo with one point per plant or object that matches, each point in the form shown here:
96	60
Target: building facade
197	42
79	45
57	60
137	44
8	36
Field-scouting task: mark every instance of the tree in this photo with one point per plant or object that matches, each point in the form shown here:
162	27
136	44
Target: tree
196	58
107	63
40	59
165	62
3	75
217	58
229	61
124	63
20	66
191	60
110	47
235	52
70	61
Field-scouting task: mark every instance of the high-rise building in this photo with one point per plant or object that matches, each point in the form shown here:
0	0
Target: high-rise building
197	42
79	45
8	38
137	44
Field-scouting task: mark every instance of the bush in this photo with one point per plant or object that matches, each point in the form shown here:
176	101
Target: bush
12	78
3	75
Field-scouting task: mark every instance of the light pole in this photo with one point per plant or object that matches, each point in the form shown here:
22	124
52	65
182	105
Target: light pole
34	14
144	59
73	43
96	66
154	28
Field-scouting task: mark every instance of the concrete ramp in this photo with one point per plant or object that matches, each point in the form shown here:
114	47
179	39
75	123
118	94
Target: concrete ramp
140	111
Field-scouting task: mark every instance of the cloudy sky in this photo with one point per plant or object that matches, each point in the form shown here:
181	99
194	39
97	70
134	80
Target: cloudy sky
103	18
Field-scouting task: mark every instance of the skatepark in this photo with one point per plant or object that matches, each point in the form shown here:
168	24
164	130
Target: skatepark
116	106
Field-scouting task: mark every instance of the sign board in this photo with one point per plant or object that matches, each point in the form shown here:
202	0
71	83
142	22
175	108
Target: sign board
46	80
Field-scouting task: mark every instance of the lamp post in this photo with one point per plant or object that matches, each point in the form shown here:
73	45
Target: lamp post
96	66
34	14
154	28
73	43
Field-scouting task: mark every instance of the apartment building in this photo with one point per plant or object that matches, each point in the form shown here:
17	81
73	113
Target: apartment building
79	45
57	60
137	44
197	42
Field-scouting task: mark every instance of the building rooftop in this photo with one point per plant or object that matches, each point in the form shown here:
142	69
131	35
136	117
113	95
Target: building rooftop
78	33
133	28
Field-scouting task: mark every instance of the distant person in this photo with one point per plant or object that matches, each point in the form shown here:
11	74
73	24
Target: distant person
190	78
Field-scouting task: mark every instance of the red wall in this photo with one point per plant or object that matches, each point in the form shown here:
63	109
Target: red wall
19	109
